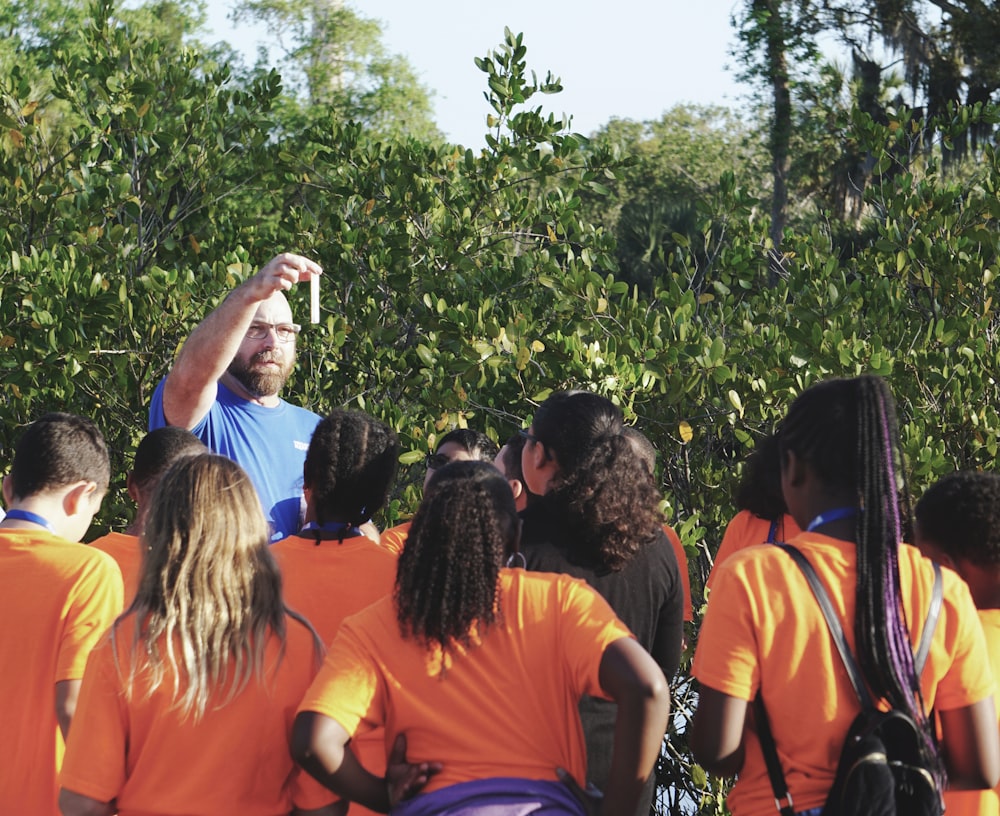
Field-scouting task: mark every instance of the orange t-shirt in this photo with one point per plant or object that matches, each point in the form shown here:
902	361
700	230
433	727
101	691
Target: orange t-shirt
329	582
682	567
771	636
506	707
57	599
744	530
394	538
235	759
124	549
981	803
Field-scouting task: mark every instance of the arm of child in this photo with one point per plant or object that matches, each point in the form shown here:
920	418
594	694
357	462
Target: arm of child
970	744
717	732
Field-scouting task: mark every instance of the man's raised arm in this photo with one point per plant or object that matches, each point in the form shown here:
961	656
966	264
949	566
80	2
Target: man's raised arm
190	388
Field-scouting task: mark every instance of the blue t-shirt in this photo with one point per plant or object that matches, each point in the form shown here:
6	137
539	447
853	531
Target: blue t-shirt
270	444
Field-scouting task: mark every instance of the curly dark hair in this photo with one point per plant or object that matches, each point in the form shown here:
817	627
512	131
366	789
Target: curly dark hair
350	465
759	490
448	572
611	504
960	515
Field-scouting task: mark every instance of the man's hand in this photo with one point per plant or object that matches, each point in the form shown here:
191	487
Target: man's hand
404	779
281	273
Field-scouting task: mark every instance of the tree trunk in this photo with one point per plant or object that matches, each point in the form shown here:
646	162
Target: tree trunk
769	13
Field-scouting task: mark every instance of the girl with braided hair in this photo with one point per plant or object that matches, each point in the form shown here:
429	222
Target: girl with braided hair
598	519
331	569
843	481
480	668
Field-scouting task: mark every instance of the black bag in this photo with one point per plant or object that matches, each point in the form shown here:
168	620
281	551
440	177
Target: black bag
884	767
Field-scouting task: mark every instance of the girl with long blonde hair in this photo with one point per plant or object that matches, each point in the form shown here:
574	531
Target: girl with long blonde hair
187	705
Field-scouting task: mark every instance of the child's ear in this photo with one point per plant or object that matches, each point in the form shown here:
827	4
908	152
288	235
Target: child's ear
516	487
793	469
133	491
81	498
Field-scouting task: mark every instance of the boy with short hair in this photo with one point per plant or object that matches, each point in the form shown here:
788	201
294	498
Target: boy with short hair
157	451
958	525
57	598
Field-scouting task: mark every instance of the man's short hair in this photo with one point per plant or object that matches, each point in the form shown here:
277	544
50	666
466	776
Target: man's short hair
57	450
158	450
478	445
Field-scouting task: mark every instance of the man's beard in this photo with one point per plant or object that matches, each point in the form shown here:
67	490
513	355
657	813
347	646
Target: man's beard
262	382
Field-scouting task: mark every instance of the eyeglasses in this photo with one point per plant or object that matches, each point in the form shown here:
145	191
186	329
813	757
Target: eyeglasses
285	331
433	461
530	437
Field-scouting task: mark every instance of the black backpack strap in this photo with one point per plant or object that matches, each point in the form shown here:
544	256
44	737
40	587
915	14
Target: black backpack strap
933	613
833	624
782	798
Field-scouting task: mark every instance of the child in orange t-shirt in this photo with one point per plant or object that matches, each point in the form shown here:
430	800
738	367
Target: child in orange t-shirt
57	598
762	516
958	525
187	705
481	668
331	570
839	453
458	445
156	452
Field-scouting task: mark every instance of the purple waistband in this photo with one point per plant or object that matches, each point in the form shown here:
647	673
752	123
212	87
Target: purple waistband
499	796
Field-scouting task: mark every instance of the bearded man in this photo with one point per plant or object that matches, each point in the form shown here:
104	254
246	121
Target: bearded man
224	388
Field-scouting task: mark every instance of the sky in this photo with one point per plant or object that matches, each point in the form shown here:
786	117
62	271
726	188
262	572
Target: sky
630	59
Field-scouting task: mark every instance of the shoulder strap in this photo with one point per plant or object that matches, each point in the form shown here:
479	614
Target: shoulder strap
782	797
833	624
933	613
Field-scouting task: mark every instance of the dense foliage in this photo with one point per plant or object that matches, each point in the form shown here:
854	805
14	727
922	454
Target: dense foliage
139	183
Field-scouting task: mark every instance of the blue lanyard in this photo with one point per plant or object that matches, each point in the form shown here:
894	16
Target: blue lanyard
27	515
338	528
836	514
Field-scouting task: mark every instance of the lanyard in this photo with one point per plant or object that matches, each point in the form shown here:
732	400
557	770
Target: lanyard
836	514
27	515
337	529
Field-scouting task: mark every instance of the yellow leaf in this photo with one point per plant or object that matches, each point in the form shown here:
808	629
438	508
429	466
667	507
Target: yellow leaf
16	390
537	345
16	137
194	244
523	355
552	233
705	297
6	342
369	206
602	305
143	110
29	109
686	432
